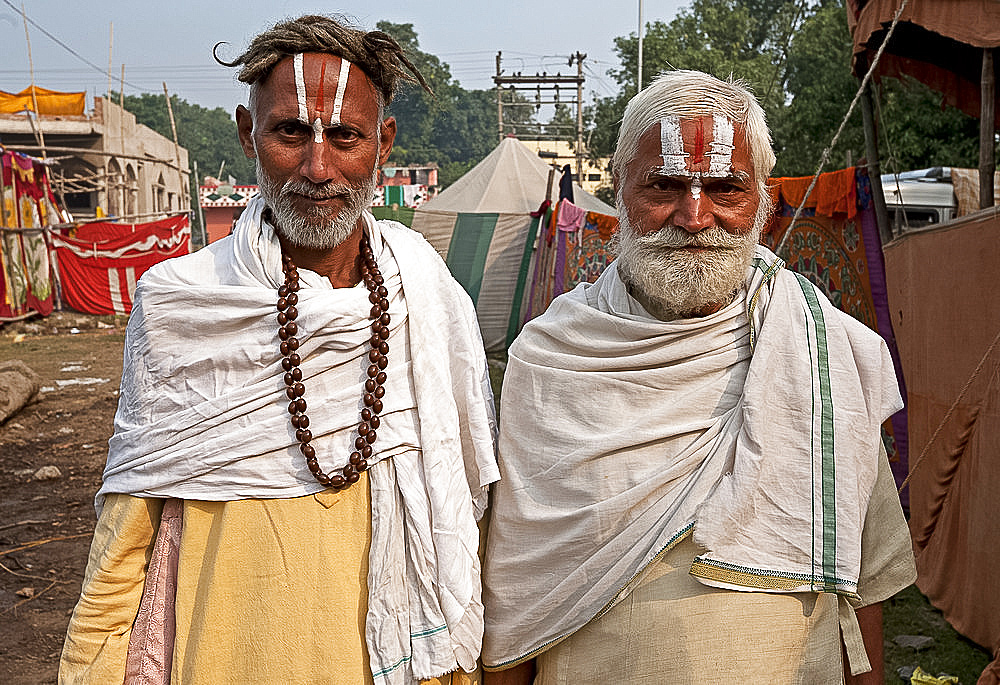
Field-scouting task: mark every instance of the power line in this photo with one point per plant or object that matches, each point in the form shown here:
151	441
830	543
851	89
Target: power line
63	45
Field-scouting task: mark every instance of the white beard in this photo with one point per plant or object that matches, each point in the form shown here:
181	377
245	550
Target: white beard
675	283
315	229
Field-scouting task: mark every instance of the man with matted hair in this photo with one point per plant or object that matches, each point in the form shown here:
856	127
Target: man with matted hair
694	486
243	534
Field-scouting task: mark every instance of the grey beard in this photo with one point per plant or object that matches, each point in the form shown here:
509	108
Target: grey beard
674	283
315	229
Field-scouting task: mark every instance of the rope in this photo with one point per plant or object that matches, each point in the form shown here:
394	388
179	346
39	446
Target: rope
836	136
951	410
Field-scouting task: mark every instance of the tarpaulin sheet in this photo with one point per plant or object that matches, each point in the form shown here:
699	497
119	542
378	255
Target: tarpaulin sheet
939	43
50	102
27	203
946	313
99	263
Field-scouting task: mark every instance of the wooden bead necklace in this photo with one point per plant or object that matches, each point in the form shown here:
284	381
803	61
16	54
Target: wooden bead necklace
374	384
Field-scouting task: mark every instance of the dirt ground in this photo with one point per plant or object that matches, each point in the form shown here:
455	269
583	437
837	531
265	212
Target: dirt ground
46	525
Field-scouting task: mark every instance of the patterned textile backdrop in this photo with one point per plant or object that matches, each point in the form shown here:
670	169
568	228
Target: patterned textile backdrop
572	249
836	245
27	206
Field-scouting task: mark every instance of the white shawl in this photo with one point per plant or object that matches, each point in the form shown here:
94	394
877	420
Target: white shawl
202	415
757	427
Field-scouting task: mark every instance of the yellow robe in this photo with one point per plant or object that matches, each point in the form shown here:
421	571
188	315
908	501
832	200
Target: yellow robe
268	591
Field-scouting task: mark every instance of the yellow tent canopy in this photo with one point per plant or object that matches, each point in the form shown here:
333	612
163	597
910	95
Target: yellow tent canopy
50	102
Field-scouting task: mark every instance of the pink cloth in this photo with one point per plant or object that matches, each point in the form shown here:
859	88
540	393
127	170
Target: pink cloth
151	646
571	217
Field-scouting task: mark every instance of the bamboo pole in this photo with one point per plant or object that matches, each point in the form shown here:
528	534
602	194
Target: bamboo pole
987	114
874	165
177	146
111	43
31	70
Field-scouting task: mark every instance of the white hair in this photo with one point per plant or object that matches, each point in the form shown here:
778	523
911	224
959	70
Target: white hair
687	93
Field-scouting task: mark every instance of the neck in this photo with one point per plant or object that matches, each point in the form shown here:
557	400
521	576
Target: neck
341	263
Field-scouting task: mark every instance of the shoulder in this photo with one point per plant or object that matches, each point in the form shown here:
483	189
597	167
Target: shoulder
193	268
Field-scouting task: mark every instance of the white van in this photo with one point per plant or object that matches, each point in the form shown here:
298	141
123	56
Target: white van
915	199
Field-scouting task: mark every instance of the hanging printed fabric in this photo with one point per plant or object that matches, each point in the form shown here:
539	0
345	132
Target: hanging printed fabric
100	263
27	205
573	249
836	245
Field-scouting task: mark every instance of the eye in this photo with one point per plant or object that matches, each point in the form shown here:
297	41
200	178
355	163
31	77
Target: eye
291	129
342	134
667	184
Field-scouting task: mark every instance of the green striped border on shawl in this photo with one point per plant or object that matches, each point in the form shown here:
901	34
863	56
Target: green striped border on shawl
828	469
470	243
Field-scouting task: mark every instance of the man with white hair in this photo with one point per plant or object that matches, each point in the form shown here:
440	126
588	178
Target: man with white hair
243	535
694	486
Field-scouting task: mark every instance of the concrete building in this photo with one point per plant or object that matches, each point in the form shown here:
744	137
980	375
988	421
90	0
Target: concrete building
560	152
104	160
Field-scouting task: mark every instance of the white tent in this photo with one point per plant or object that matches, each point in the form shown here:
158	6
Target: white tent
482	226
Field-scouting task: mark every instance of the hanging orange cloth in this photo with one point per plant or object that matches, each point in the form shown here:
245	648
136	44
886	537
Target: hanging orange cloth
835	192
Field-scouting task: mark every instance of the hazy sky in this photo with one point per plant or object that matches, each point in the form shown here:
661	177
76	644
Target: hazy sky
172	40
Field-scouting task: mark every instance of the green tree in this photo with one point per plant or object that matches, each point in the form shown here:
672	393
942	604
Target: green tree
209	135
796	56
455	127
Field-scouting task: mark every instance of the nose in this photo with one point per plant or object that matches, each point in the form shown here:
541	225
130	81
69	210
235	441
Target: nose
318	164
693	212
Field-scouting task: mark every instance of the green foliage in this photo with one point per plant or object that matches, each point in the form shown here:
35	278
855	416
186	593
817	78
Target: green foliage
455	127
795	54
209	135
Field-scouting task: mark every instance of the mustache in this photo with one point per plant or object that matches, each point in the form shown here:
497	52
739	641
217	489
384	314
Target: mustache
317	191
672	237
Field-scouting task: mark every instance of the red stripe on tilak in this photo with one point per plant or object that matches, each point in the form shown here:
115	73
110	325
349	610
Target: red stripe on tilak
319	95
699	143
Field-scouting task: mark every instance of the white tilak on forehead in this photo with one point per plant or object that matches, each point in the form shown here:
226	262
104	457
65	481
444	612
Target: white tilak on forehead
300	95
719	152
720	155
300	87
338	100
672	148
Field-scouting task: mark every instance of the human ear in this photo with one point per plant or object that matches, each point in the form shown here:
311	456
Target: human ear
244	128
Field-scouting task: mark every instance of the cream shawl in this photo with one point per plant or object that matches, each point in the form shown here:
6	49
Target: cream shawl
202	416
757	427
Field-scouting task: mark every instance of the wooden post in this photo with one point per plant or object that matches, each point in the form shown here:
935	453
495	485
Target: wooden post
987	114
34	96
177	146
874	166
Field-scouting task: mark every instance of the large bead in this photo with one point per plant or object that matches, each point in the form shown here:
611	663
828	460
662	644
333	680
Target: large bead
361	465
300	404
292	298
383	347
379	392
384	319
363	429
283	291
299	389
303	420
282	303
370	437
294	359
382	292
282	318
288	379
292	313
352	477
366	413
307	450
377	406
370	385
375	422
297	373
338	481
293	343
366	451
286	364
359	443
292	327
380	378
372	371
382	362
